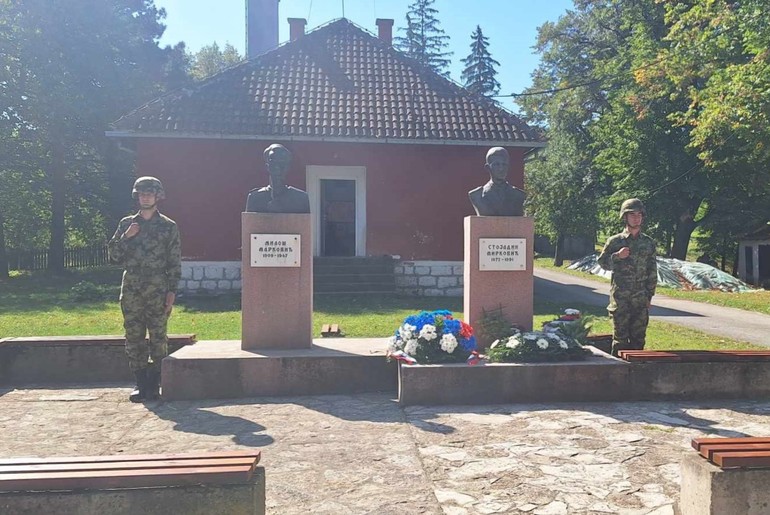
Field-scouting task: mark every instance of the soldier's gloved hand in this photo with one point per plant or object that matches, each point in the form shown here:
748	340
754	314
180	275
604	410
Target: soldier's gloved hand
622	253
170	298
132	230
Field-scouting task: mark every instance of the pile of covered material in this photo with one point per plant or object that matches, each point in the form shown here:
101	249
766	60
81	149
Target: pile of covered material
674	273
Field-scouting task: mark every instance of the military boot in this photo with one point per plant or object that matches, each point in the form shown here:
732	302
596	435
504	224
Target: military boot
140	390
153	382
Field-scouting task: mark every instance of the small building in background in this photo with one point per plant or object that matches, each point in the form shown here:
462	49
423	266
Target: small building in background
754	257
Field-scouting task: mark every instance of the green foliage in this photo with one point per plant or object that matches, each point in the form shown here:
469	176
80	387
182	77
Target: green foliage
577	329
86	291
424	40
536	346
67	70
479	73
210	60
493	325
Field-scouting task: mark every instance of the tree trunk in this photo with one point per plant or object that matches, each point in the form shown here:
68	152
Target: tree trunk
57	173
558	256
3	254
682	233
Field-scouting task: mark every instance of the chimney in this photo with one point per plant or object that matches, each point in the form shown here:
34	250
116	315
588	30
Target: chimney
385	30
296	28
261	26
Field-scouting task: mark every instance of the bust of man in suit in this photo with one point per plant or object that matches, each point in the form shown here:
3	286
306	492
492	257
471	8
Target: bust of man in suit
498	197
278	197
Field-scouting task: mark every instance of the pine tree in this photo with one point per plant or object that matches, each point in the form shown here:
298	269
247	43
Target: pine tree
424	40
479	73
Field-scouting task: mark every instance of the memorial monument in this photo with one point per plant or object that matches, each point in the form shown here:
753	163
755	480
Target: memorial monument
277	262
498	249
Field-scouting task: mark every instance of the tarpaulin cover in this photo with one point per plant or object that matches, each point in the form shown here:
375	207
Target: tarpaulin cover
675	273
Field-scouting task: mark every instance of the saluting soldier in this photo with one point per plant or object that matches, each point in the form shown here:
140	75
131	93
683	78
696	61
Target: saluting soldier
630	256
147	245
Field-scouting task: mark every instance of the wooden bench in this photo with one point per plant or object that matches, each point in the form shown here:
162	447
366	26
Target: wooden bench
727	476
694	356
212	482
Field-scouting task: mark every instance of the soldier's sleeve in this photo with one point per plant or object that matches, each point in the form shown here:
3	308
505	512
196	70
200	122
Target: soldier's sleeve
651	281
174	259
605	258
117	246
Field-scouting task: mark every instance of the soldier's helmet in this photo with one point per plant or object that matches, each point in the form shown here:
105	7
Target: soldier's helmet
632	205
150	184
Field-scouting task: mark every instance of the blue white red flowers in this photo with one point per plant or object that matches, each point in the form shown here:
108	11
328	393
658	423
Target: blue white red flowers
433	337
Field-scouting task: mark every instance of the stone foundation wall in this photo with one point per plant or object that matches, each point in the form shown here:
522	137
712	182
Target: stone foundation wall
413	278
210	276
429	278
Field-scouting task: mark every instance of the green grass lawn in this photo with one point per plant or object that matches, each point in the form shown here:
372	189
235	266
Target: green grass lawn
757	300
45	305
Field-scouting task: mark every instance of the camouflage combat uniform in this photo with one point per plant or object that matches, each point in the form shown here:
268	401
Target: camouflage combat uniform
633	284
152	265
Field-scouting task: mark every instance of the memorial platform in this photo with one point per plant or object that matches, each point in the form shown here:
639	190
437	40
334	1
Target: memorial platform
221	369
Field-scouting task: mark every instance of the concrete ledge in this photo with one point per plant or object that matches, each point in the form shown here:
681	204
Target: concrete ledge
237	499
709	490
599	378
69	359
220	369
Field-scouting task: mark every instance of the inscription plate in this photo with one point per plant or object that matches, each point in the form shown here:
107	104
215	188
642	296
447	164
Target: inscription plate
275	250
502	254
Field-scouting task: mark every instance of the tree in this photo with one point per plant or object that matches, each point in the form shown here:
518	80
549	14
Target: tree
72	68
425	41
479	73
210	60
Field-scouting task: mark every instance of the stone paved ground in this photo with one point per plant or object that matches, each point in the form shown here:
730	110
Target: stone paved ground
364	454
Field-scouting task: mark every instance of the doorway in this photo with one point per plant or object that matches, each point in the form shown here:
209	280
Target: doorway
338	209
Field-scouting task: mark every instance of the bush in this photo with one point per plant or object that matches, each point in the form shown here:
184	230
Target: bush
86	291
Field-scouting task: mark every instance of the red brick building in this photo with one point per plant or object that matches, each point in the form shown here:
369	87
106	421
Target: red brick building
386	148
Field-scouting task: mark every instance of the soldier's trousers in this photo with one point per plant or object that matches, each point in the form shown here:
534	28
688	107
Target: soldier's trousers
143	303
629	325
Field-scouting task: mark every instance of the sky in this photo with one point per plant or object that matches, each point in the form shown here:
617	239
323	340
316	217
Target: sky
510	25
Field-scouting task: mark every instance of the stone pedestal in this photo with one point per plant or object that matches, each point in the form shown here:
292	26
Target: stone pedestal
277	302
490	289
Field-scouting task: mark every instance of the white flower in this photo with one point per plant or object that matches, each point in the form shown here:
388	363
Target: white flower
448	343
406	331
411	347
512	342
392	344
494	344
542	343
563	344
428	332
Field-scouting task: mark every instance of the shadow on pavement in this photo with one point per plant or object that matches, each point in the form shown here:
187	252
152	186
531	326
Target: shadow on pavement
194	417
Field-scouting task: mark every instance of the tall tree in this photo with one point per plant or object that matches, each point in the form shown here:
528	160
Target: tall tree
75	67
210	60
424	40
479	72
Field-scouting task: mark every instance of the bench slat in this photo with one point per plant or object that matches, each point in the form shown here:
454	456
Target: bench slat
708	450
755	459
697	442
138	457
125	478
128	465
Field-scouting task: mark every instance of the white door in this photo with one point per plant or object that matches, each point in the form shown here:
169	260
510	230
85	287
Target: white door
338	209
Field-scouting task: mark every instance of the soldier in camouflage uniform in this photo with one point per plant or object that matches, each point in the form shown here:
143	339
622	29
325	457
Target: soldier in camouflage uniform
630	256
147	246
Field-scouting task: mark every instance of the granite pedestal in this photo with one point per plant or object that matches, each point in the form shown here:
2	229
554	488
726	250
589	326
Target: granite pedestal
277	302
489	289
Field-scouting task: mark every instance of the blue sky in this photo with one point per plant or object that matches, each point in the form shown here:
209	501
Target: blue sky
510	25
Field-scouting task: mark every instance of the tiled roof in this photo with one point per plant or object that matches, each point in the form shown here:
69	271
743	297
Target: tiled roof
336	82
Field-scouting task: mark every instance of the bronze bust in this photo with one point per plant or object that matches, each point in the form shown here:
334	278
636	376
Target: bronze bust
278	197
498	197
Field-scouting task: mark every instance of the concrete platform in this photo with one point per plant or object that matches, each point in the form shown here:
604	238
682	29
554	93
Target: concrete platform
599	378
41	360
220	369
